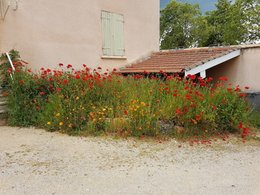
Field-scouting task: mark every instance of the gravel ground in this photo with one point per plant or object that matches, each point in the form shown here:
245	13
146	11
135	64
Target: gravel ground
33	161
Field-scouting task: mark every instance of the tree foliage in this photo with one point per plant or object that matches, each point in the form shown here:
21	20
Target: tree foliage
182	25
250	18
231	23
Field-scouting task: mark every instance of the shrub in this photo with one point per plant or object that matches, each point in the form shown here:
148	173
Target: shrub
92	102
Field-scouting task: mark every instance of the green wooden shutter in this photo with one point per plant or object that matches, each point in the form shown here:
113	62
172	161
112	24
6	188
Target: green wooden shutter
113	34
118	21
107	23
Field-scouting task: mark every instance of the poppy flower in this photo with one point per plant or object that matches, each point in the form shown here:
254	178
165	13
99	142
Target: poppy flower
188	97
126	112
210	79
198	117
58	89
192	77
245	132
223	78
240	125
65	82
41	93
229	89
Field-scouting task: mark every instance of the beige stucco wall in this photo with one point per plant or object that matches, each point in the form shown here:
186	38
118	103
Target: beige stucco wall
243	70
48	32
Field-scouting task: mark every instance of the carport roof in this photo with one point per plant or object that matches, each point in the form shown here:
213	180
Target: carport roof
190	61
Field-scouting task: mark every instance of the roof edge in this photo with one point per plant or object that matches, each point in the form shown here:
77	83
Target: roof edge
213	62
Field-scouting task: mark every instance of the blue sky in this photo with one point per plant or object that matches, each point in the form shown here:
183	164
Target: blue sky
205	5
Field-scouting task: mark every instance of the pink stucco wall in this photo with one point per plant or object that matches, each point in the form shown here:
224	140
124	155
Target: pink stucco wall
243	70
48	32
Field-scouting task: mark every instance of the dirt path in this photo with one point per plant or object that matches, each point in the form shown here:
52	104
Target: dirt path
33	161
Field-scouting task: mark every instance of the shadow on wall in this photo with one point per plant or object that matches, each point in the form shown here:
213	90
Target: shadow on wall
231	70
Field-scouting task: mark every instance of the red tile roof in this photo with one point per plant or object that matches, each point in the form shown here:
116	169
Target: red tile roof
175	61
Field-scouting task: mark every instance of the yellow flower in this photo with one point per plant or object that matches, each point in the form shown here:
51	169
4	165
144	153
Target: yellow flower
77	98
49	123
70	125
61	123
58	114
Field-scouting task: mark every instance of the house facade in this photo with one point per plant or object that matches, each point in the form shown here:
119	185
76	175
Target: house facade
106	33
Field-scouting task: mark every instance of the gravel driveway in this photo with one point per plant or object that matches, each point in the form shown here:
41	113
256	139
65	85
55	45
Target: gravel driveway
33	161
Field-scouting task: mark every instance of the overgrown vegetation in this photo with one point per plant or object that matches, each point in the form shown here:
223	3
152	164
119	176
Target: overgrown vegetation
91	102
255	119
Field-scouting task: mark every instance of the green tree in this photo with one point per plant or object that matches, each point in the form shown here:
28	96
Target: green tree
250	10
233	22
182	25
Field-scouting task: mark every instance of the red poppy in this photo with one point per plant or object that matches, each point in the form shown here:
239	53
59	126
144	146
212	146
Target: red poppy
188	97
85	78
240	125
42	93
65	82
230	89
245	132
60	64
192	77
198	117
58	89
237	89
223	78
210	79
69	66
178	112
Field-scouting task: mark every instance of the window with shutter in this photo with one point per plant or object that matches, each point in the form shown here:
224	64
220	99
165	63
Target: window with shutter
113	34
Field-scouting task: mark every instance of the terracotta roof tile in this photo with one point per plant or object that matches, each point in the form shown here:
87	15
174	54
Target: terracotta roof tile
174	61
